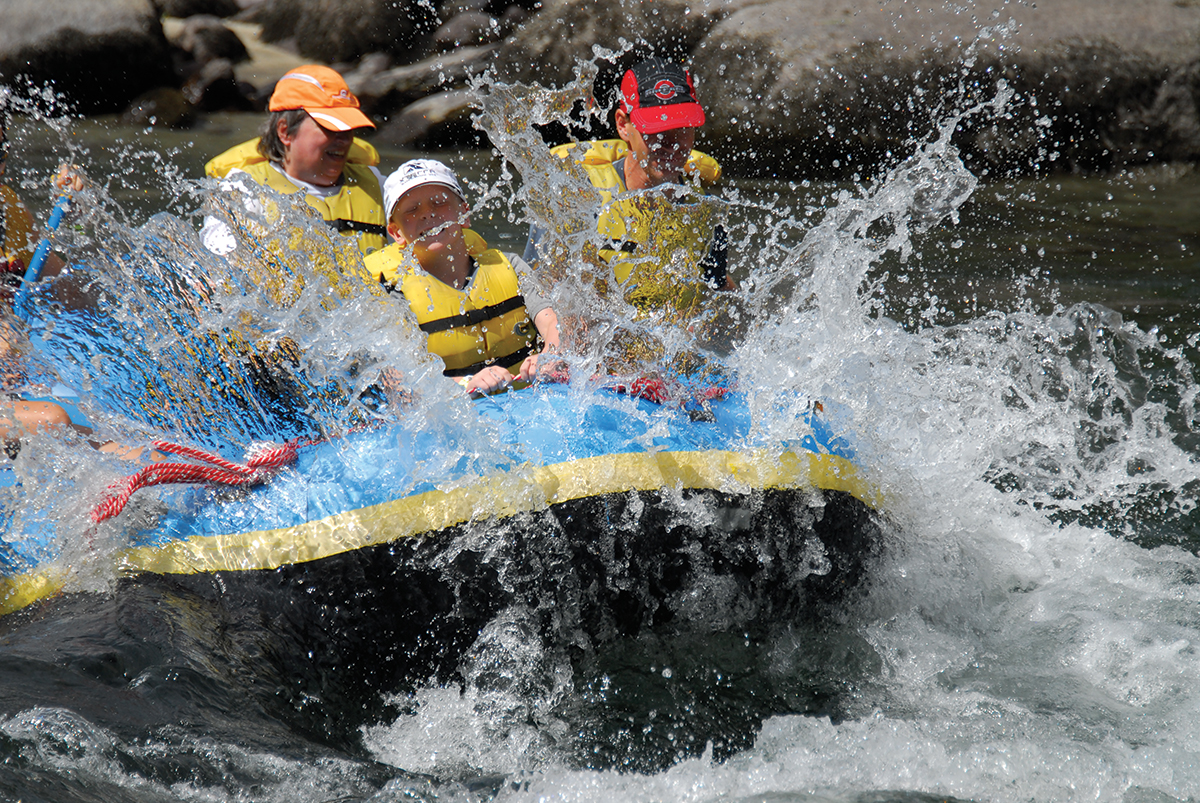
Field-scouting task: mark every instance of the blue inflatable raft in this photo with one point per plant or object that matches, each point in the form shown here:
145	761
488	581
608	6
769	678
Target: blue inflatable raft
563	447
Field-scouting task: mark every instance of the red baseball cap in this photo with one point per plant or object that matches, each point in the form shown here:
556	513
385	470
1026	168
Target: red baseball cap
659	95
322	93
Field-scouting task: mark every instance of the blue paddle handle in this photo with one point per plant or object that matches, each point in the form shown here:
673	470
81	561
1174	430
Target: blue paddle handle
34	271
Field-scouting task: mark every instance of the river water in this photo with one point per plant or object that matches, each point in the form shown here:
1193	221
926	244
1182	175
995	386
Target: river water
1018	359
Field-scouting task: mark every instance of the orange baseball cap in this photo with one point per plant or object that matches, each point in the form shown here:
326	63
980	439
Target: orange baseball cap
322	93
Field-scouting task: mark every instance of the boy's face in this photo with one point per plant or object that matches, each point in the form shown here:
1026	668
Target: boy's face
423	209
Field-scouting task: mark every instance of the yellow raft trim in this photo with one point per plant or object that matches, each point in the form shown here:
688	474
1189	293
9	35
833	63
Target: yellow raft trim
22	590
432	511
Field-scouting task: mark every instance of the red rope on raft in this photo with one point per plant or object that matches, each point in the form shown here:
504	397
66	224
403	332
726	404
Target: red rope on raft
261	463
654	389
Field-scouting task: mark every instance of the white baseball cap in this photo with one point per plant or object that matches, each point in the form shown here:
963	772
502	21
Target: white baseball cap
414	173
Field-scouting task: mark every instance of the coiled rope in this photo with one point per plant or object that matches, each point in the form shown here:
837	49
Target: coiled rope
262	462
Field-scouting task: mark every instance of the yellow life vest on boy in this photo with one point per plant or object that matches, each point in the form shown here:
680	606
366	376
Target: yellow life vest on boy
481	325
356	210
17	241
654	243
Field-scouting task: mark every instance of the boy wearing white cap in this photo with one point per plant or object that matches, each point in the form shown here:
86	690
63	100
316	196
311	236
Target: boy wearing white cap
466	296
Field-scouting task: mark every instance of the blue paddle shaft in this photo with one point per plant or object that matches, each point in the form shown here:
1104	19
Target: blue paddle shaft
34	271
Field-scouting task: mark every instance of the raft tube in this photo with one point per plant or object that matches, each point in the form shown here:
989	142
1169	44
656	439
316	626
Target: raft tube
565	449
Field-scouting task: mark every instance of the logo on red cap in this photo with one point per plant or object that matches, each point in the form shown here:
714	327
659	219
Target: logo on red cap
665	90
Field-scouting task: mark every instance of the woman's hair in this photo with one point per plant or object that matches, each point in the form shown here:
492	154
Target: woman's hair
268	142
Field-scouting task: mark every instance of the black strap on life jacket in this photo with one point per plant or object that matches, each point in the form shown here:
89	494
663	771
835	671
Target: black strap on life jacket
508	359
356	225
472	317
628	246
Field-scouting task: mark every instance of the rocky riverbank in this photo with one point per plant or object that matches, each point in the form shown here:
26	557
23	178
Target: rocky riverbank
793	88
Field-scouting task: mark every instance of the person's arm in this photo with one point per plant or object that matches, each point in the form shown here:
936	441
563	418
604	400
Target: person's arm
70	180
546	322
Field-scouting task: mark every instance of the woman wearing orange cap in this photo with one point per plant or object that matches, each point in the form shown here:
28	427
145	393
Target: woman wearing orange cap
307	145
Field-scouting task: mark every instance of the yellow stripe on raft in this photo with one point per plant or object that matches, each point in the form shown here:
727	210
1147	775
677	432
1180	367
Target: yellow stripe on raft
432	511
25	589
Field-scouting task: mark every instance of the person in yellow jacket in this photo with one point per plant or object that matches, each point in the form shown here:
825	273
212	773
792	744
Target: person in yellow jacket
20	415
306	146
663	246
18	235
467	297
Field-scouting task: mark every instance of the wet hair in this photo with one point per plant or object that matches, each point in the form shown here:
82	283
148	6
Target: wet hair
269	144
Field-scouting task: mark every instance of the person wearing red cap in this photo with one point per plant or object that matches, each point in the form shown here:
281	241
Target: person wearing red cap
308	145
664	248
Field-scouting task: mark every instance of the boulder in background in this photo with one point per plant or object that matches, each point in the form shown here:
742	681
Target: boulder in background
98	55
834	88
434	122
336	31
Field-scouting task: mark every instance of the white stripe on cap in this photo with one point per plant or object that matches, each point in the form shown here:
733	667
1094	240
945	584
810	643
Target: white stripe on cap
299	76
333	122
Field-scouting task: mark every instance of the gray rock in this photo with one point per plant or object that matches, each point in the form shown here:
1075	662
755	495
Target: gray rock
206	38
368	67
821	87
99	55
384	92
163	107
438	121
452	8
835	87
344	30
466	29
215	87
512	17
548	46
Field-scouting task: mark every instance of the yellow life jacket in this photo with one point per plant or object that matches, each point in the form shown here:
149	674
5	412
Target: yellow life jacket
239	156
470	329
655	243
355	211
17	241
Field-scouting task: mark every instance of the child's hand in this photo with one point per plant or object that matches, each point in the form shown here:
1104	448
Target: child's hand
489	380
545	363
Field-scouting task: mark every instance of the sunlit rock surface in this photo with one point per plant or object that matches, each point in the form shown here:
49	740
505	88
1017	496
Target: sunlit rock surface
793	88
832	87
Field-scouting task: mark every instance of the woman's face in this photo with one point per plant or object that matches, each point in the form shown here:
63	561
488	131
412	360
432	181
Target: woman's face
314	154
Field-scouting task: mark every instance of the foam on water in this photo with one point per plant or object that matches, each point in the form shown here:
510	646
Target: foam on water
1022	655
